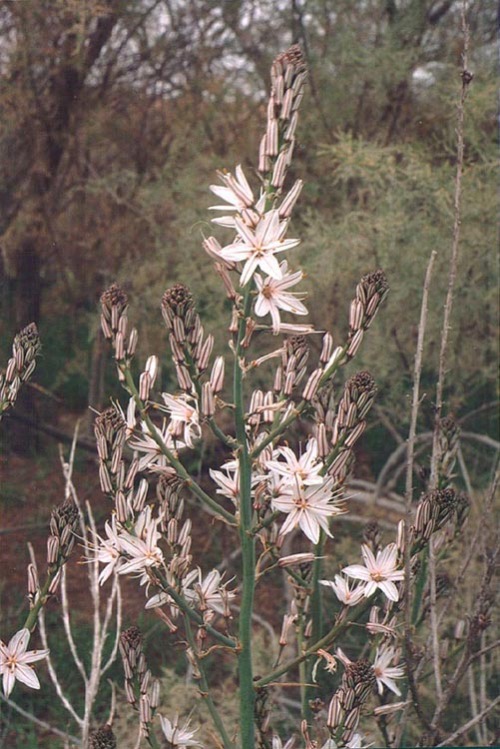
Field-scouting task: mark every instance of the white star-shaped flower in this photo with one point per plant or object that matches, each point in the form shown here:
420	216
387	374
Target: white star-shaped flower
236	191
228	481
239	198
185	417
304	470
380	572
178	737
207	593
348	596
309	507
108	550
258	247
384	673
142	547
273	296
151	454
14	660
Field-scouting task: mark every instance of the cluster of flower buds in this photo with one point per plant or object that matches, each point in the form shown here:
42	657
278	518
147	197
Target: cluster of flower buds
345	707
102	738
370	293
141	690
114	322
262	409
190	351
293	364
349	423
63	525
116	479
110	432
20	366
288	75
178	536
434	510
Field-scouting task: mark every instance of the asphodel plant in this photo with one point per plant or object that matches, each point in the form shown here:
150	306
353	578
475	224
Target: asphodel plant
271	488
265	489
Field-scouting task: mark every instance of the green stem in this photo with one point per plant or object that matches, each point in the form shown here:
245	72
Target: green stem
324	642
419	589
247	694
151	739
316	608
205	691
302	668
174	462
42	598
316	611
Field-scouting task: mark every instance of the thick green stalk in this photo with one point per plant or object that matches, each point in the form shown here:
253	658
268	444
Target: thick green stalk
247	694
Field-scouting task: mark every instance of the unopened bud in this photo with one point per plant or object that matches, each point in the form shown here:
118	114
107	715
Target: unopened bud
355	343
52	550
33	583
296	559
145	681
140	496
268	413
207	400
288	620
288	204
144	386
145	715
132	342
312	385
119	347
217	375
152	366
155	694
356	314
55	583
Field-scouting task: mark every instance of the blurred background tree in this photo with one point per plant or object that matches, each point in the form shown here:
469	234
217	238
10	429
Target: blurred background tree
117	113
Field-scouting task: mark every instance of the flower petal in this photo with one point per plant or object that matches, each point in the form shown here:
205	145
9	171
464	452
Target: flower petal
27	676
